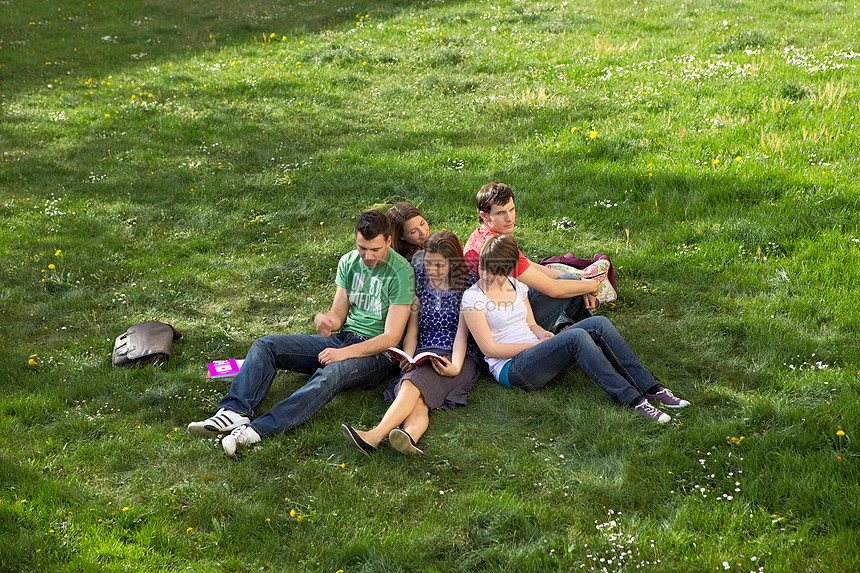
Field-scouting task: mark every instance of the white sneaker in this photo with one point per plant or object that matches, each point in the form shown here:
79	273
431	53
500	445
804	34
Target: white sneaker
222	422
243	435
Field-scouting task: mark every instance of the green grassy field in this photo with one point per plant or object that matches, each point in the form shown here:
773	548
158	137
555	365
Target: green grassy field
203	163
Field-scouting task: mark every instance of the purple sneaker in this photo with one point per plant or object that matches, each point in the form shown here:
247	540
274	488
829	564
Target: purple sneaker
665	397
646	410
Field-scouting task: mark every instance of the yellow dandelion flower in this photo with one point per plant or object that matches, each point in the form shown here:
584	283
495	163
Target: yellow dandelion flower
840	433
739	158
839	458
32	362
343	465
292	513
298	518
125	508
268	520
51	266
57	254
592	135
715	161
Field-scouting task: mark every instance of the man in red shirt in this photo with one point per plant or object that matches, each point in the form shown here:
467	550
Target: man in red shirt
557	300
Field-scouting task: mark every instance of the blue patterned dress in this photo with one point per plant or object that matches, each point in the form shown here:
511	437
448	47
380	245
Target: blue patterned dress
438	318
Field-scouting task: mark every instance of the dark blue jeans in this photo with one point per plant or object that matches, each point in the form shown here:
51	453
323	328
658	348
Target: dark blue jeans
551	312
599	350
298	352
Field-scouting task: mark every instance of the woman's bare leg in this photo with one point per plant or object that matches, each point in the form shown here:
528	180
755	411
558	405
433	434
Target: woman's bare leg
418	419
402	407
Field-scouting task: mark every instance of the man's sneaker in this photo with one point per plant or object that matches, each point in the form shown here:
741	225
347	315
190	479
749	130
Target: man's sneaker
401	441
665	397
243	435
646	410
223	422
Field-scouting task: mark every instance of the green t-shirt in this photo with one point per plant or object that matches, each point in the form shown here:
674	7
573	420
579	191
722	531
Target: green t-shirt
372	289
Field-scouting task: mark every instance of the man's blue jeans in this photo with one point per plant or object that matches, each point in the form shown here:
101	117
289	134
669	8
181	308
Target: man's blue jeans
599	350
298	352
551	312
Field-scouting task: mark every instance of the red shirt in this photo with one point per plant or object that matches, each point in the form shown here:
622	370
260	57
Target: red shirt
473	247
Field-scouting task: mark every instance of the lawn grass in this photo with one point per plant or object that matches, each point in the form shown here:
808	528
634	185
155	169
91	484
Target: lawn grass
203	164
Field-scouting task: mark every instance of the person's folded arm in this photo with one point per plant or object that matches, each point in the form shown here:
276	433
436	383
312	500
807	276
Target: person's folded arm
476	320
395	323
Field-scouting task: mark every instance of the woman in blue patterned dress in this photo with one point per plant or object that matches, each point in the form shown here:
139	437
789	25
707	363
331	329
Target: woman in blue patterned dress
435	325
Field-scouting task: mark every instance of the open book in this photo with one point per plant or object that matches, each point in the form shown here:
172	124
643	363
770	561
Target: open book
417	360
223	368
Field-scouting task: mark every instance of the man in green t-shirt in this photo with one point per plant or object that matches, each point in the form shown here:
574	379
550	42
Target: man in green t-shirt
375	288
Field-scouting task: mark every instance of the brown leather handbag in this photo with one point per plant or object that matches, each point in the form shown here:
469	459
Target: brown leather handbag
145	343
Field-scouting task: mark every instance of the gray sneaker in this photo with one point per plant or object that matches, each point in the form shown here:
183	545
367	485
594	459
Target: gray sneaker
223	422
665	397
243	435
646	410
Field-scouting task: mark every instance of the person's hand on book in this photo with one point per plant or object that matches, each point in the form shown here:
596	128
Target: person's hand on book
444	367
406	366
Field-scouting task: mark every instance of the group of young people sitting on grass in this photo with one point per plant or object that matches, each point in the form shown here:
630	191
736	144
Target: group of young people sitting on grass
485	303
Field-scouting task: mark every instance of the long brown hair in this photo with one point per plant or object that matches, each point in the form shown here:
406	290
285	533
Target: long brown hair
447	244
397	215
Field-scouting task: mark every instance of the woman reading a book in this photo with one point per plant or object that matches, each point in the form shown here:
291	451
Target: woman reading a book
435	325
409	230
521	354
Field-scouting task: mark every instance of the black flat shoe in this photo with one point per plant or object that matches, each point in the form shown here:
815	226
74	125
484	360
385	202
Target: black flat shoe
401	441
353	438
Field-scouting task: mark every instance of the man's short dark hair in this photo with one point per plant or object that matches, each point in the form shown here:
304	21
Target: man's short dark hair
373	223
495	193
